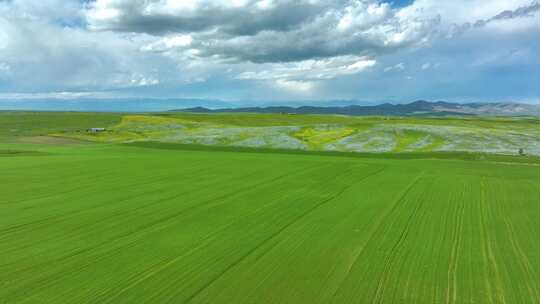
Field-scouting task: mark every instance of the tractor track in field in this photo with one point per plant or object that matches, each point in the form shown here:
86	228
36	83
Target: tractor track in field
388	261
524	261
150	225
158	224
104	204
51	219
48	219
373	234
48	280
497	295
451	292
118	214
93	178
75	189
269	238
204	242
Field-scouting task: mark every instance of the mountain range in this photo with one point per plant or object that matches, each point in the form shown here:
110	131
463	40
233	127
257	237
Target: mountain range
340	107
416	108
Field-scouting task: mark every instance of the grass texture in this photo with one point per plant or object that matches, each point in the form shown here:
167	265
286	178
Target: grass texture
162	223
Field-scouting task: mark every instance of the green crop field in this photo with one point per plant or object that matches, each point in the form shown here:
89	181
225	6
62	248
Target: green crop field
94	219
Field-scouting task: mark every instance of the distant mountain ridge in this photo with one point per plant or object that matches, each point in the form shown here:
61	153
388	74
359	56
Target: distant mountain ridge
420	107
107	104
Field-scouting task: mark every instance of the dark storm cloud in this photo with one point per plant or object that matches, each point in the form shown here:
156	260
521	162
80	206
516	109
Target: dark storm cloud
153	18
288	47
266	31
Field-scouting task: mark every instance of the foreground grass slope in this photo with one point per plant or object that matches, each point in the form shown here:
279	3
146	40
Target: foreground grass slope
140	224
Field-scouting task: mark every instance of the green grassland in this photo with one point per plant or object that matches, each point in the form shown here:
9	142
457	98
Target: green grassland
283	131
121	218
16	124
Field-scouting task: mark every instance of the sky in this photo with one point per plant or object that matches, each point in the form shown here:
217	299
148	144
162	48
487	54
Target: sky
271	51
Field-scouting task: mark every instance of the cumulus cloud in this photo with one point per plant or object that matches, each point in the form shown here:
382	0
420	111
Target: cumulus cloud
304	75
168	43
44	46
312	69
250	45
172	16
266	31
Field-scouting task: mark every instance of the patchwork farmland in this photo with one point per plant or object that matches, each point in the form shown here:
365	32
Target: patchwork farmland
125	219
328	133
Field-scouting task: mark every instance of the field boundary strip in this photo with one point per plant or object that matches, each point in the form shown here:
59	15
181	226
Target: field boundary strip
14	153
461	156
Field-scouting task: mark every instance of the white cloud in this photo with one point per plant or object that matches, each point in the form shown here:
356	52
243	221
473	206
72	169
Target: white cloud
312	70
362	14
296	86
297	45
168	43
398	67
3	37
267	31
520	56
42	54
53	95
457	16
426	66
303	76
4	67
266	4
142	81
461	11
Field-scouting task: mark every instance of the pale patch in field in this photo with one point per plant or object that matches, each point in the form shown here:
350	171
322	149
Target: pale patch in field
376	136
